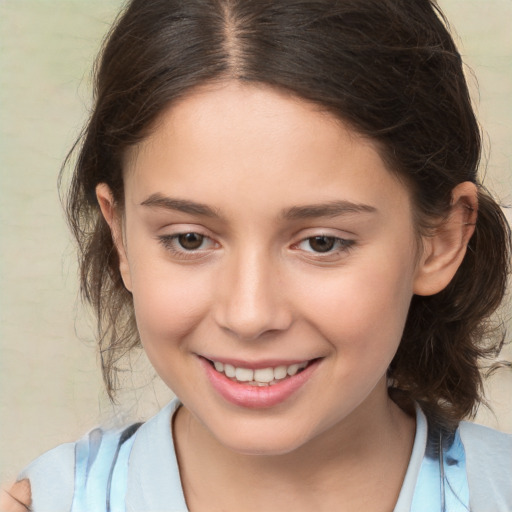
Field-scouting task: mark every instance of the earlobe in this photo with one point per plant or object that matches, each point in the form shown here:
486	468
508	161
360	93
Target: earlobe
112	216
445	248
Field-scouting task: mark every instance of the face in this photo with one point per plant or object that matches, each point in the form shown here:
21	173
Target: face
271	256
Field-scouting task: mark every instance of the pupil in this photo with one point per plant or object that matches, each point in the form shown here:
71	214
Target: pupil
322	243
190	241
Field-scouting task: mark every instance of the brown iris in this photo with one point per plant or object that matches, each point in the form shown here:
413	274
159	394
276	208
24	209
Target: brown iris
190	241
322	243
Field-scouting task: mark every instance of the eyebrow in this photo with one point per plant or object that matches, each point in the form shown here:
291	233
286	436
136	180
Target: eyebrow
180	205
329	209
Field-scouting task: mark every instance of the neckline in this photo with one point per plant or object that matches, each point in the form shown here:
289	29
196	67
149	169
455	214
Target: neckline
154	481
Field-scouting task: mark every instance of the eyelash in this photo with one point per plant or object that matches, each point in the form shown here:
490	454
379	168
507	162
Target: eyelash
170	242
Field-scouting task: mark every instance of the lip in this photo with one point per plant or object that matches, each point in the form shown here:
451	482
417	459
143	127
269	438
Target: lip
255	365
254	397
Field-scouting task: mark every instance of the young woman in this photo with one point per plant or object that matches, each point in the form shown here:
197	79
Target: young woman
279	200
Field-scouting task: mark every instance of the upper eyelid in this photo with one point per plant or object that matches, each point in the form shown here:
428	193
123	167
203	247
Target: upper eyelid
173	230
306	234
184	227
312	230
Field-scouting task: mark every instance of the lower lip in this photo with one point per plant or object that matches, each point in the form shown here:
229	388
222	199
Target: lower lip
257	397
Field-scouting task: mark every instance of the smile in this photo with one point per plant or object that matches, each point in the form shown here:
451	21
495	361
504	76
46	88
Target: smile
261	376
255	388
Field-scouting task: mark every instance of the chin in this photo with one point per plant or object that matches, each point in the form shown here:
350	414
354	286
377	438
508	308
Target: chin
263	443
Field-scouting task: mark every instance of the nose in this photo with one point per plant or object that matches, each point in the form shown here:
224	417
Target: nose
251	298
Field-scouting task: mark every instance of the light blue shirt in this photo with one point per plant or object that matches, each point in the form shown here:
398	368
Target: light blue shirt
141	474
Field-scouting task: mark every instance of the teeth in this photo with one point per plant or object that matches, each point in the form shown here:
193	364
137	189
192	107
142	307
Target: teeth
261	376
280	372
229	370
293	369
264	375
244	374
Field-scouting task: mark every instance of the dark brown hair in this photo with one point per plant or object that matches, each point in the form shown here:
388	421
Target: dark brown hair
390	69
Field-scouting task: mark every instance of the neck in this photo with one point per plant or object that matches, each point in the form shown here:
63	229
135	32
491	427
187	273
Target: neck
359	464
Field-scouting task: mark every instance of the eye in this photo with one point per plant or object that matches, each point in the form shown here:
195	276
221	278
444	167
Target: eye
324	245
189	244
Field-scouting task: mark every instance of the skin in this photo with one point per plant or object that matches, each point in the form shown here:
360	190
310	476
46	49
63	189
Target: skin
256	289
17	498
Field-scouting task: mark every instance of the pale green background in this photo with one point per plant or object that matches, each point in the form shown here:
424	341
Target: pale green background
50	385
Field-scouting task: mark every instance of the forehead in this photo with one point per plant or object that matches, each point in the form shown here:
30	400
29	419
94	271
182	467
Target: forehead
257	142
242	111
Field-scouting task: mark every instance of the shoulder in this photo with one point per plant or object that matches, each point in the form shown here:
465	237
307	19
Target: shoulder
476	435
52	479
487	447
104	466
58	477
489	466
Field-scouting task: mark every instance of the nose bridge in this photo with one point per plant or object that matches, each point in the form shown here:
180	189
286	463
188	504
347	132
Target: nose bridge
251	300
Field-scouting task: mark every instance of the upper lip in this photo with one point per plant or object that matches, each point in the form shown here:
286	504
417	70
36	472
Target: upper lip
255	365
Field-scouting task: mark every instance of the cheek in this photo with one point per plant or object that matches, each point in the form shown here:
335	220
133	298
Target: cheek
168	302
361	309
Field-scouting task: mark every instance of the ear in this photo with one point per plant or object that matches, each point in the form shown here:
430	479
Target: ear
444	250
112	216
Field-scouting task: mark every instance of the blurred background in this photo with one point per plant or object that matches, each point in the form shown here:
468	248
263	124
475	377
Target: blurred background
50	383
